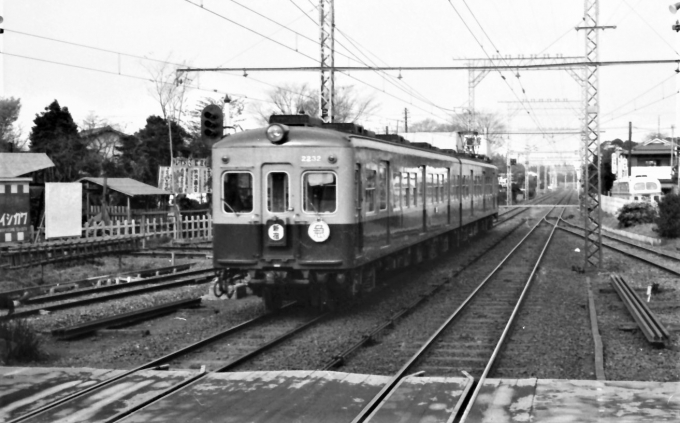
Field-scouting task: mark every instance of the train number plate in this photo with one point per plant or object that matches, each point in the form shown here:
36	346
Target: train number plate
311	158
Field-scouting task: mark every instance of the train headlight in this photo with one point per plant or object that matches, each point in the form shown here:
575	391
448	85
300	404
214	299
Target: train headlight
277	133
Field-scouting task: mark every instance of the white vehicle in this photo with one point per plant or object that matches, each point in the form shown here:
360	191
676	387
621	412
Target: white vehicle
639	188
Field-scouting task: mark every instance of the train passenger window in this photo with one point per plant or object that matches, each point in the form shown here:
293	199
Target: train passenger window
430	188
277	192
382	185
444	188
371	176
396	190
456	187
320	192
237	192
405	190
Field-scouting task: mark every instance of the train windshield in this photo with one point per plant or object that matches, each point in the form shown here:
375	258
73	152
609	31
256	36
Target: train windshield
320	192
277	192
237	196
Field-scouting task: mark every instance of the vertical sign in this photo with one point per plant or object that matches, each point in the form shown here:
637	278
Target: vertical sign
14	210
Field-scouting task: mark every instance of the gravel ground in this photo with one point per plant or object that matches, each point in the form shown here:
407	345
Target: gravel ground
551	339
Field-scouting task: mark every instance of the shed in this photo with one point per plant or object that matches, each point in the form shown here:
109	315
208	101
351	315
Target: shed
13	165
130	188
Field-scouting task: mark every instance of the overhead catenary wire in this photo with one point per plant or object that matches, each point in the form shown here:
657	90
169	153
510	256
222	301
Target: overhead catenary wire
292	49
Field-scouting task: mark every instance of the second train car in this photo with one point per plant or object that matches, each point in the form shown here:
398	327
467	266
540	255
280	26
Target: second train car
310	211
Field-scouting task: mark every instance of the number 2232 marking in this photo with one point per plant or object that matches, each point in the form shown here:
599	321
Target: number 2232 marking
311	158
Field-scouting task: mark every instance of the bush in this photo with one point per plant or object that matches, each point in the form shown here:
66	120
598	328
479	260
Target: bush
668	222
637	213
22	343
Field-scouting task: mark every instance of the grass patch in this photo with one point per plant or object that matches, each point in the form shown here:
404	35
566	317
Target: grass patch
20	342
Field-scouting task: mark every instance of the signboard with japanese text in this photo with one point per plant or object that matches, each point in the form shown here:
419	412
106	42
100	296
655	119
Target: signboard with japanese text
191	176
14	210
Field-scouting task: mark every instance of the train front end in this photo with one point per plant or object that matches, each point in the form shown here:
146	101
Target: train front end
283	211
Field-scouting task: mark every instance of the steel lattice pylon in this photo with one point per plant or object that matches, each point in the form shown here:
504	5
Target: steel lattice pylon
327	44
591	140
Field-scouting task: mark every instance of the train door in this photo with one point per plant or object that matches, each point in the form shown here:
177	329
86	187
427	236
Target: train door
423	183
383	196
484	183
448	194
358	200
277	211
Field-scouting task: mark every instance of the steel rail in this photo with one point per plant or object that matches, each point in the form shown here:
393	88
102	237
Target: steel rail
113	287
152	364
111	296
651	326
339	359
508	327
519	210
623	241
169	254
389	387
627	253
125	318
93	280
232	364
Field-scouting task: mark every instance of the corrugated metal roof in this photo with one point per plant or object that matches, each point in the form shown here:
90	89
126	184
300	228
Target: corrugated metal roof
17	164
127	186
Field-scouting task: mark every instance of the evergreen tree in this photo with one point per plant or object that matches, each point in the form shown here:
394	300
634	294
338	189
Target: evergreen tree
56	134
144	152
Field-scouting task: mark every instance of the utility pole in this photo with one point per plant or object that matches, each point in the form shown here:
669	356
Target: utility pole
405	120
508	165
327	44
630	144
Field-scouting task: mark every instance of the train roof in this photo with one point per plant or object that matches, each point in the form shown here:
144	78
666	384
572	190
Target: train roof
305	131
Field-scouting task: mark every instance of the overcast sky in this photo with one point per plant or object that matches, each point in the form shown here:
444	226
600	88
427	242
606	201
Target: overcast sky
46	57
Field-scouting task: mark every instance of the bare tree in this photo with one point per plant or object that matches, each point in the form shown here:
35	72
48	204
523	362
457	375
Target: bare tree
169	88
10	134
489	124
296	99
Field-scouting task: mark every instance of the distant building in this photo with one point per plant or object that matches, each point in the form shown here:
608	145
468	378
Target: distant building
653	159
103	140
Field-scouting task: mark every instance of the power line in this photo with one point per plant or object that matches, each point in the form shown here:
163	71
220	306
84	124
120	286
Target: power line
289	48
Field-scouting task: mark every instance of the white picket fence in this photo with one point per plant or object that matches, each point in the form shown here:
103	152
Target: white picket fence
192	227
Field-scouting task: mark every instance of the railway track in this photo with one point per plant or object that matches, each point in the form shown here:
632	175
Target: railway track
240	339
471	338
111	279
100	294
295	322
654	257
511	213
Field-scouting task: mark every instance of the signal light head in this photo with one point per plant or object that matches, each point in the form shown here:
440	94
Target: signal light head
277	133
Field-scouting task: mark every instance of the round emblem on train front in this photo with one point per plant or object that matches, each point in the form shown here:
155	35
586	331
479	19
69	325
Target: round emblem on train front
319	231
276	232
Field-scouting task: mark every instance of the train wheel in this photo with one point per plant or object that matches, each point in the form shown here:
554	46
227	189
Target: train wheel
272	299
217	287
